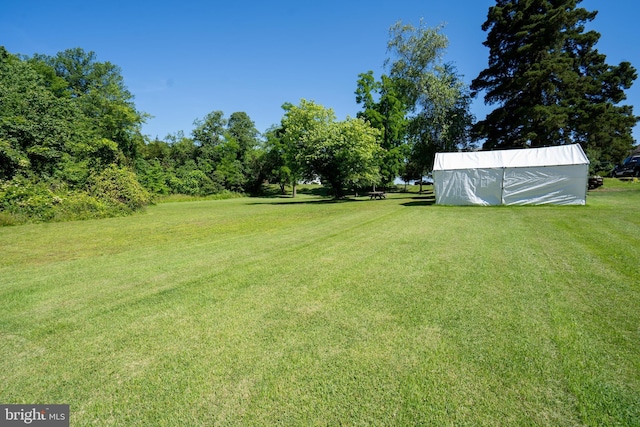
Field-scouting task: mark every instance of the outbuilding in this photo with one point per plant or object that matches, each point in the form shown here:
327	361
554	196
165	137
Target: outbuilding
532	176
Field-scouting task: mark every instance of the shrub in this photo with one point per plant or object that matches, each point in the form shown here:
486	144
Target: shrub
24	199
7	219
223	195
79	206
194	183
117	185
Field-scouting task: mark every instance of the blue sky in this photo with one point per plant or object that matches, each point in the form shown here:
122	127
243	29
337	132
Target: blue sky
184	59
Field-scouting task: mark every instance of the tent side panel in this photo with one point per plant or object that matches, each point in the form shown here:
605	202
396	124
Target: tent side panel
468	186
559	185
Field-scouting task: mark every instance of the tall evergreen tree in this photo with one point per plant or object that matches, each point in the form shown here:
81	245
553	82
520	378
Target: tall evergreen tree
551	85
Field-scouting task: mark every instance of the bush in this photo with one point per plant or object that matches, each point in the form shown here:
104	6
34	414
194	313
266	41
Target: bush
6	219
194	183
112	192
24	200
79	206
116	186
223	195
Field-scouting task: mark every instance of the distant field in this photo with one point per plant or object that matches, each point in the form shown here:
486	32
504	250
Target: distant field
280	311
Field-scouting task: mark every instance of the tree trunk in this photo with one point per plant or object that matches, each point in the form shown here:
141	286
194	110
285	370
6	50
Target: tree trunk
294	190
337	190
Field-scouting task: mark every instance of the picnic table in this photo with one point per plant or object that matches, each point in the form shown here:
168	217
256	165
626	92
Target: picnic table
377	195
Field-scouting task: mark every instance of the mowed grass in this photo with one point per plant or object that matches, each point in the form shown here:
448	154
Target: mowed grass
279	311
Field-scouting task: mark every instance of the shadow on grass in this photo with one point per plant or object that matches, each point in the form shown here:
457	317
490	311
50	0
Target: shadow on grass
427	199
288	200
315	191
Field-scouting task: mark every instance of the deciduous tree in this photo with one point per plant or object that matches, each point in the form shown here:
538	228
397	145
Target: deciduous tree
99	90
342	154
303	127
386	110
437	99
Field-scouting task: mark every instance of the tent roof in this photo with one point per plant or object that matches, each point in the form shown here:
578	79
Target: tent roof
527	157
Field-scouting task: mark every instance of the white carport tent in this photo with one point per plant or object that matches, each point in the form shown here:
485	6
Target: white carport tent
550	175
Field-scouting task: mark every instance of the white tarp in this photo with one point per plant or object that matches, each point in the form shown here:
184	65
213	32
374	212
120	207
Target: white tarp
550	175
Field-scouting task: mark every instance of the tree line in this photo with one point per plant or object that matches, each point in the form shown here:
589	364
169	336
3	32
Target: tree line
71	144
420	107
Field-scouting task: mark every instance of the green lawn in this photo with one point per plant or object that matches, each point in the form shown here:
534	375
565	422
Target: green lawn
279	311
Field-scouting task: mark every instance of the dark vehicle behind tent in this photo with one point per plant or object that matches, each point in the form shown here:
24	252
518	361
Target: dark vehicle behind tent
629	167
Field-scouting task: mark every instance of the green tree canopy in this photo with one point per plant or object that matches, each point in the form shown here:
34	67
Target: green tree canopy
342	153
40	132
225	148
243	130
276	169
386	110
437	99
210	130
551	86
99	91
63	136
